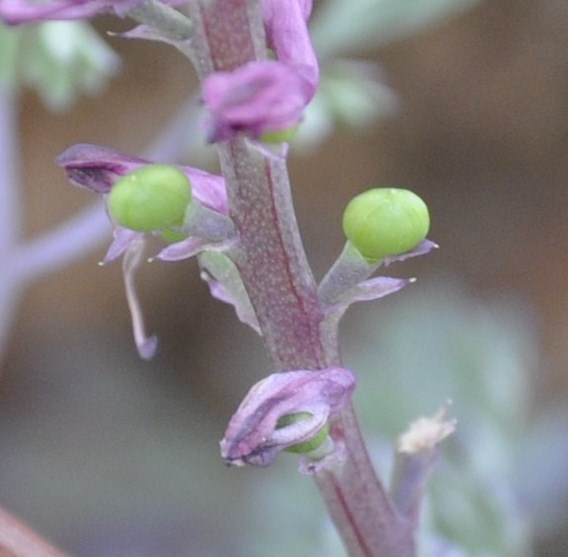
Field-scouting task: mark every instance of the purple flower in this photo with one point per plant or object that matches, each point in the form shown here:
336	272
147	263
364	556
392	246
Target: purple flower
14	12
259	97
287	34
98	168
254	436
266	96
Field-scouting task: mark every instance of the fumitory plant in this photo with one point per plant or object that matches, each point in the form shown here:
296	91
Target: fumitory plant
259	72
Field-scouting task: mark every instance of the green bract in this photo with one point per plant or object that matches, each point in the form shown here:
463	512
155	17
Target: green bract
385	221
152	197
307	446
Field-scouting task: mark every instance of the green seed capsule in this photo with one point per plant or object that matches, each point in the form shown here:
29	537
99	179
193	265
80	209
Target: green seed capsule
385	221
153	197
307	446
279	136
173	236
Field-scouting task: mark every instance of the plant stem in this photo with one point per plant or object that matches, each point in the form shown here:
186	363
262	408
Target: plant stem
274	269
17	540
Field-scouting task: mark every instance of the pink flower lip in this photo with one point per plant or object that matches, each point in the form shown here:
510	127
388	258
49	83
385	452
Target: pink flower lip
252	436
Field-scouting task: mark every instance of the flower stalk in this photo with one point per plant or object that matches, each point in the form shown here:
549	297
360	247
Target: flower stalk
275	272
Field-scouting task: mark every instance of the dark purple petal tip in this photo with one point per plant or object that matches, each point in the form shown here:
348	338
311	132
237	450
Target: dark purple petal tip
96	167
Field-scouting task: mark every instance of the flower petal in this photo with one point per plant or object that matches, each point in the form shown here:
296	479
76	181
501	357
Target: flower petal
133	256
123	237
365	291
347	280
253	436
287	33
267	96
258	97
424	247
373	289
183	250
97	168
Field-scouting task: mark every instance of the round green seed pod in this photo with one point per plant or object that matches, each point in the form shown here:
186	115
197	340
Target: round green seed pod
279	136
385	221
153	197
307	446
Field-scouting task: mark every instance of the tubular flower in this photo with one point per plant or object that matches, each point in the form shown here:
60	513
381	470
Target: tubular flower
142	199
286	410
266	97
14	12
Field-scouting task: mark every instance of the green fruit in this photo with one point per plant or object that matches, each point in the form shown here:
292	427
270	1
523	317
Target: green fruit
279	136
152	197
307	446
385	221
173	236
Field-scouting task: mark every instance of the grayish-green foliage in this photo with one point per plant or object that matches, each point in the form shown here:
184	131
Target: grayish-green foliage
360	25
59	59
412	354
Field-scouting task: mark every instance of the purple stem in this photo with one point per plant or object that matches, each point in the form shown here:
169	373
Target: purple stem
280	284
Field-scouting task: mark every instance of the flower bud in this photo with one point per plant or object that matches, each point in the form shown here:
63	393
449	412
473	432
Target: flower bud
153	197
307	446
385	221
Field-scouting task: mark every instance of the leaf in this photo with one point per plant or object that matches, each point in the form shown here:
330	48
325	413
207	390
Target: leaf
358	25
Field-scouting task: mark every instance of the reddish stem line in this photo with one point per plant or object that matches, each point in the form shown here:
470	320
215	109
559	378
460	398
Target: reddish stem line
338	491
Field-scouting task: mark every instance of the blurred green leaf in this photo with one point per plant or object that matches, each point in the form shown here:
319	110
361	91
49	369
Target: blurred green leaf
350	93
412	354
425	348
342	26
59	59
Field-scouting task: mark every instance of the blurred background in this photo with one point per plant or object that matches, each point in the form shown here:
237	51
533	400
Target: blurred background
109	456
